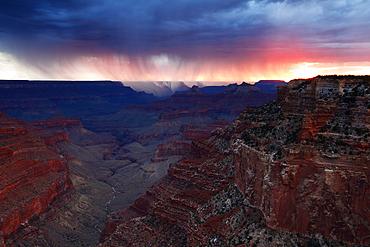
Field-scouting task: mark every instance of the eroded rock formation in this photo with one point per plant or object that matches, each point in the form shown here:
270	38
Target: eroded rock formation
109	172
302	169
298	164
32	175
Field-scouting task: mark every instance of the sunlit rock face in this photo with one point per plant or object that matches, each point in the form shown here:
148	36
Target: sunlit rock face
33	175
297	164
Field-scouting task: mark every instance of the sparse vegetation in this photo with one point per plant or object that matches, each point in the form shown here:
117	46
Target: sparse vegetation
271	128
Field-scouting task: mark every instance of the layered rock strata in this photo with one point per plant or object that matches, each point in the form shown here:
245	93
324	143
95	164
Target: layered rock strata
191	107
298	164
305	164
32	175
192	182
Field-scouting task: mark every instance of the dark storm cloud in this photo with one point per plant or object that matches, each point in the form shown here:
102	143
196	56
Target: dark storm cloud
113	25
47	34
126	25
123	26
26	18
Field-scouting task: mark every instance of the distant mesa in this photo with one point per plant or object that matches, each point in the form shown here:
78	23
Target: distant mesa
270	86
194	91
207	89
161	89
243	89
214	89
37	100
266	86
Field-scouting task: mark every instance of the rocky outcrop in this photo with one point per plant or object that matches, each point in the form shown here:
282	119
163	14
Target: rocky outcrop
58	122
316	182
32	176
194	91
55	129
188	184
295	165
243	89
172	148
59	128
182	147
301	195
193	132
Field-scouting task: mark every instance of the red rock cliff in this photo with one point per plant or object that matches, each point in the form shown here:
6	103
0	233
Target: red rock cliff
302	195
313	183
32	175
301	167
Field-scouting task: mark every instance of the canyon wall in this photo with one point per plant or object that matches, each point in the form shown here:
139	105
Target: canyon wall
305	196
320	181
108	172
33	176
297	164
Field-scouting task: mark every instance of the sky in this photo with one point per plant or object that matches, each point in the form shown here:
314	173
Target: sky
183	40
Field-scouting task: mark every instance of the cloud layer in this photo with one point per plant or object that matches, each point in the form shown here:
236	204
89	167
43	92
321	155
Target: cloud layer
185	40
